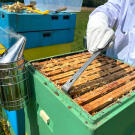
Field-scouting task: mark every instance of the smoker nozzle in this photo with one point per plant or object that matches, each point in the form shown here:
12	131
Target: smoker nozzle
15	52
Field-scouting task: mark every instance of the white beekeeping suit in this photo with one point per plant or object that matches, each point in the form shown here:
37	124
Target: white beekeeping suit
118	13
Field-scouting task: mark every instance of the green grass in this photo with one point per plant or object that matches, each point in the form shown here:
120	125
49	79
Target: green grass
80	30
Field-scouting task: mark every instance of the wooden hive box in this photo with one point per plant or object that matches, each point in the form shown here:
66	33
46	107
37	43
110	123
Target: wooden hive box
100	99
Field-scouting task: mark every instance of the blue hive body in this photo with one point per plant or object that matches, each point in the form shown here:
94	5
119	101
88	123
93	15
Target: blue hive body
17	121
40	30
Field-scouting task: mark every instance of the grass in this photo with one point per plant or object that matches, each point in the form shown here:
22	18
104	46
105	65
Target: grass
80	30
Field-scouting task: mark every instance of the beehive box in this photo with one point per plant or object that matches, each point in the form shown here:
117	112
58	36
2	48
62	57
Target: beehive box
39	38
28	22
99	102
40	30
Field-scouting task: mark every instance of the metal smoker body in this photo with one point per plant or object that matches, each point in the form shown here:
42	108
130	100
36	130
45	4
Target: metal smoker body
13	77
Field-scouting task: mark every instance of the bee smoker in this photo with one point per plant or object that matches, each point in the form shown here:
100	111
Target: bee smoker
13	77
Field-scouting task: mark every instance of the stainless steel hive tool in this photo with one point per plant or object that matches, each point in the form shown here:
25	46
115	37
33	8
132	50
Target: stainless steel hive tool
66	87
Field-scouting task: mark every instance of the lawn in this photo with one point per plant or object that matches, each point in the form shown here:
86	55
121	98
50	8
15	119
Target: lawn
80	30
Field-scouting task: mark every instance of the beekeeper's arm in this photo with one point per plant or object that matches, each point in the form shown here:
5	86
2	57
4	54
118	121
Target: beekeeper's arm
101	21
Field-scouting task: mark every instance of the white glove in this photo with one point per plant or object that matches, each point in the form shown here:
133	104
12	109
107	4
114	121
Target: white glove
98	32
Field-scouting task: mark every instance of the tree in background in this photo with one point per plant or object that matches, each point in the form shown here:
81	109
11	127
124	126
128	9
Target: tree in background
93	3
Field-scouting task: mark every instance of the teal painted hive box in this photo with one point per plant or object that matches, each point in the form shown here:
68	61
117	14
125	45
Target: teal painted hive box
40	30
101	102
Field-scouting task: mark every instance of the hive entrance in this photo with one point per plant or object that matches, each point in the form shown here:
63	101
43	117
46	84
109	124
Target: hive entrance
104	82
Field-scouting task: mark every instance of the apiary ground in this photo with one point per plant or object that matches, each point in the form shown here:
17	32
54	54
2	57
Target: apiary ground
102	84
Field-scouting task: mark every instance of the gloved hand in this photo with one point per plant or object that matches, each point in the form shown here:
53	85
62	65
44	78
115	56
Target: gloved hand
98	32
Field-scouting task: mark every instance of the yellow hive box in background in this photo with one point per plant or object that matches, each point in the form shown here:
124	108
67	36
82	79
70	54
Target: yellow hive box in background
2	49
46	51
41	52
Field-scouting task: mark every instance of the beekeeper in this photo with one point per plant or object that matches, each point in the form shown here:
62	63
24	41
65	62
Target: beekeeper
118	16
